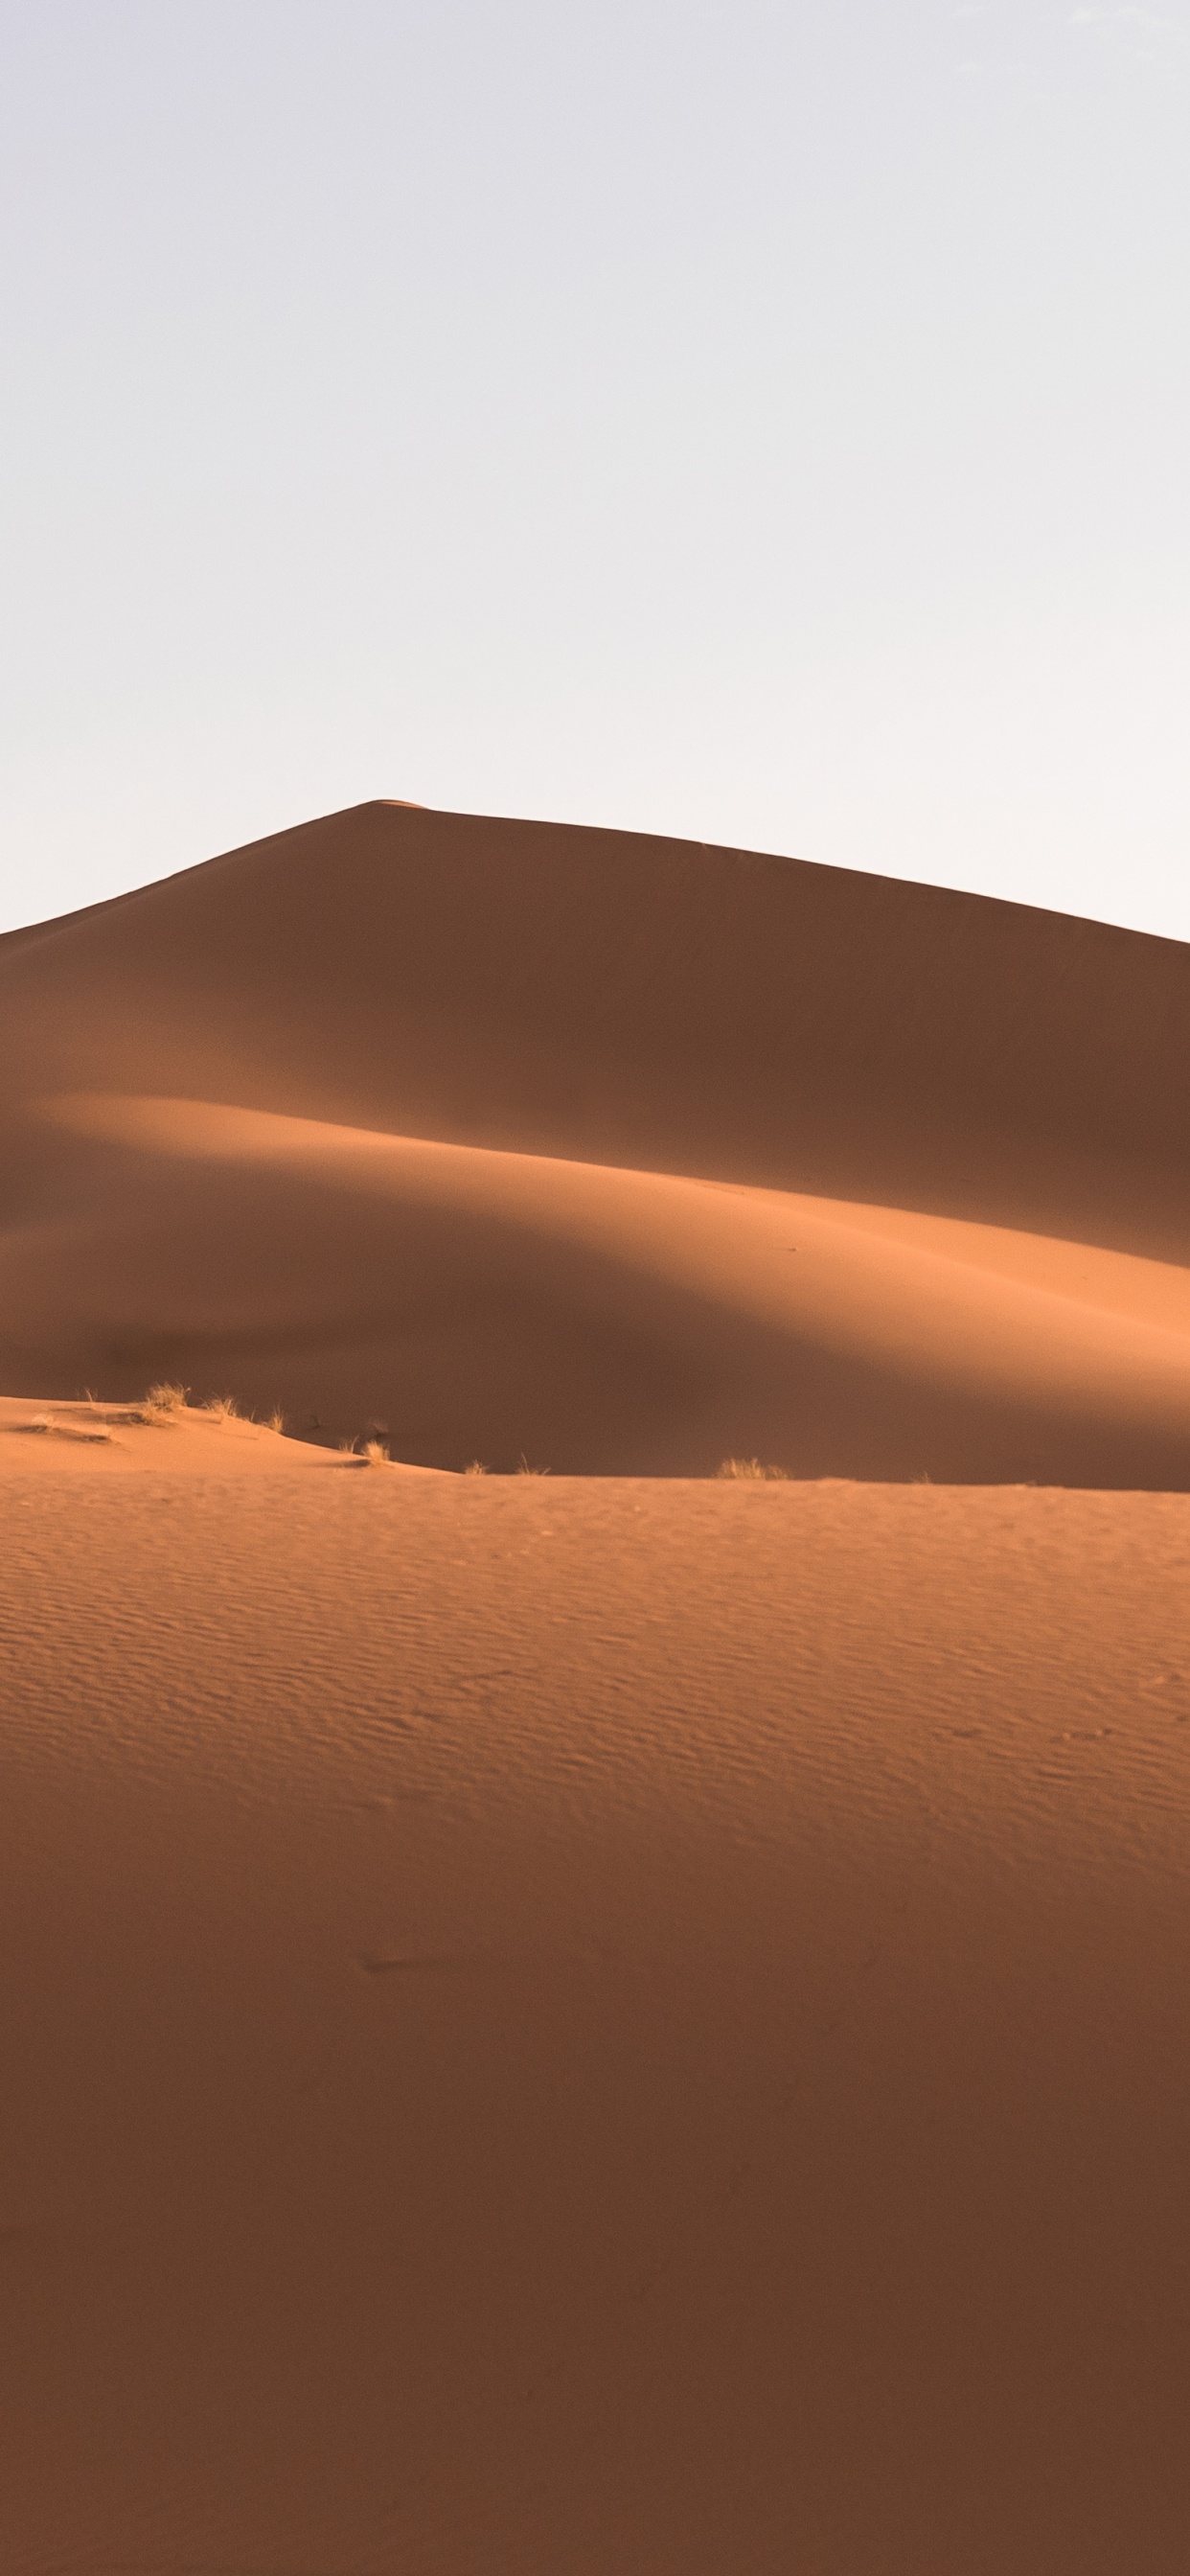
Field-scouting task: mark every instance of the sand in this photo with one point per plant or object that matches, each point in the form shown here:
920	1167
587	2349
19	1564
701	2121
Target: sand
620	2019
623	1154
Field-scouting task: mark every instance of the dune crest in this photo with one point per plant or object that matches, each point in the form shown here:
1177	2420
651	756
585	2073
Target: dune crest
1094	1345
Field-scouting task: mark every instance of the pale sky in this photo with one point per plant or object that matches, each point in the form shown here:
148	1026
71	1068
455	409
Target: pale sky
759	420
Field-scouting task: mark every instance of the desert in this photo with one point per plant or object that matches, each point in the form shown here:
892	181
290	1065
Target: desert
627	2008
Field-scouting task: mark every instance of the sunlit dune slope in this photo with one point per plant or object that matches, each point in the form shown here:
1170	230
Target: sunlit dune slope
619	1152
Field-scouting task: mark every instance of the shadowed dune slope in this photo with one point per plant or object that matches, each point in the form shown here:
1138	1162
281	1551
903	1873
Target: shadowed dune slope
621	1152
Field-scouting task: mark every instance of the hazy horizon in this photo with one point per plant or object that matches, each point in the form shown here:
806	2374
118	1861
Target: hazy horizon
765	426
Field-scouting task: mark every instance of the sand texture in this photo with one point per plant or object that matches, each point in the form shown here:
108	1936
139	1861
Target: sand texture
622	2020
589	2025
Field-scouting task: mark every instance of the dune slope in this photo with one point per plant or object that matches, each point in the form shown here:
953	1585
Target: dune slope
620	1153
589	2025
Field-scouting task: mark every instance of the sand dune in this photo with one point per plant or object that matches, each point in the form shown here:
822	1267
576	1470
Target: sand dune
591	2025
627	2021
620	1152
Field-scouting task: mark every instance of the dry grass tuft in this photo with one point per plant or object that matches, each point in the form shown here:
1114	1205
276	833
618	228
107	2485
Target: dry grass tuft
475	1467
526	1470
276	1420
221	1408
162	1400
375	1454
751	1470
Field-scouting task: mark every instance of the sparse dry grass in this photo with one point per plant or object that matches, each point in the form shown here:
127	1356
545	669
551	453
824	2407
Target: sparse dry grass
375	1454
475	1467
750	1470
221	1408
276	1420
163	1400
526	1470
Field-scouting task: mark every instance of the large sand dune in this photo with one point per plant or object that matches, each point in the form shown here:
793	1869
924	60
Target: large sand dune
624	1154
611	2023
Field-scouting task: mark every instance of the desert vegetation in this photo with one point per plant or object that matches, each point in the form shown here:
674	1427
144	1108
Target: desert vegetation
165	1399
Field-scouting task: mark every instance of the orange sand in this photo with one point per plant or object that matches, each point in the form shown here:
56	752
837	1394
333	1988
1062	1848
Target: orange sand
601	2023
623	1153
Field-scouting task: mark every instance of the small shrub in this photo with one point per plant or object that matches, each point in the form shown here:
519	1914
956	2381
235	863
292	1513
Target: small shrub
751	1469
